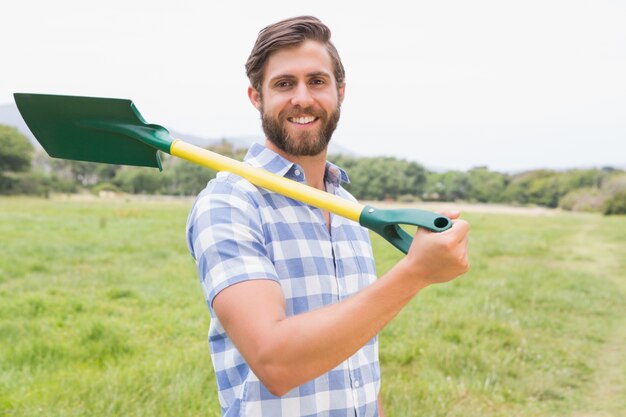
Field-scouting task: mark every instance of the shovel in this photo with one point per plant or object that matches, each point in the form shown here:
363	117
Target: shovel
113	131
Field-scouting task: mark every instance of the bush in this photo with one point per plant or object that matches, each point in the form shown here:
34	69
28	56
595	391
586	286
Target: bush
141	180
408	198
105	186
34	183
540	187
185	178
616	204
584	199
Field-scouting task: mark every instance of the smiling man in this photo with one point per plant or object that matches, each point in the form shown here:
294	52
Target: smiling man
292	290
300	107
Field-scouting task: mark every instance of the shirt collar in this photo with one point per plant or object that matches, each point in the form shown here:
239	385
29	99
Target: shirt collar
261	157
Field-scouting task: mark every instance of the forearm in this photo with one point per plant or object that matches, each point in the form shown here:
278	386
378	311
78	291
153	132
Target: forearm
299	348
381	412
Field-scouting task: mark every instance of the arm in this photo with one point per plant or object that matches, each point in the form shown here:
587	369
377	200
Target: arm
381	413
285	352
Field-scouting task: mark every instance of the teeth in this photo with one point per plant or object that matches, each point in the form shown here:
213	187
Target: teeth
302	120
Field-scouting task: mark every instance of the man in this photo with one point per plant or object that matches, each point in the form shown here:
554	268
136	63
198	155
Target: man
295	304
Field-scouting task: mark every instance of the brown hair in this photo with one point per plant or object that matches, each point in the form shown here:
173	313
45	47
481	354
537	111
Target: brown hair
289	33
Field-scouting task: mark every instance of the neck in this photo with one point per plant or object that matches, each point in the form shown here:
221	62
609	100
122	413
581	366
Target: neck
314	166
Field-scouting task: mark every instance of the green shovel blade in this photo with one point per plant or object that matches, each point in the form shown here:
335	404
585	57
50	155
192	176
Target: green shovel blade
92	129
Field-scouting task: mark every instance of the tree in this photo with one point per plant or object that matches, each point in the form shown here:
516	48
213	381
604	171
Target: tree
447	186
580	178
185	178
142	180
540	187
16	154
84	174
383	177
485	186
16	151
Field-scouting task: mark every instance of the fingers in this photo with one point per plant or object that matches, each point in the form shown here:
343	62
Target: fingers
457	233
465	240
461	225
463	229
441	256
451	214
466	262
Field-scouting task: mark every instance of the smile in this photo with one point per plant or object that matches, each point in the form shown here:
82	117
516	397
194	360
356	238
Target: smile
302	120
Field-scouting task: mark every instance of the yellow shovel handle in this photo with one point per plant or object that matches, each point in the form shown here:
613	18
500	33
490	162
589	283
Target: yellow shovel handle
289	188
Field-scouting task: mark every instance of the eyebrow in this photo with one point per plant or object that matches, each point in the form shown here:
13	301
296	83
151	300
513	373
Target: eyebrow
309	75
318	74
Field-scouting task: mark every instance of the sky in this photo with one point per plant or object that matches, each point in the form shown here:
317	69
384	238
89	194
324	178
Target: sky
511	85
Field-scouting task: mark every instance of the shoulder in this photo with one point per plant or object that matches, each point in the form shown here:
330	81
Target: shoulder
226	200
227	190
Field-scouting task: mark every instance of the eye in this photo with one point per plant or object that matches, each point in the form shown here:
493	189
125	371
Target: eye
318	81
283	84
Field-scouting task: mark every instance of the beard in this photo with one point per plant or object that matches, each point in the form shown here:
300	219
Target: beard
305	143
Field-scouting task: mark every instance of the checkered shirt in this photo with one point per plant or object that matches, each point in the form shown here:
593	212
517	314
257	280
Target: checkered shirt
238	232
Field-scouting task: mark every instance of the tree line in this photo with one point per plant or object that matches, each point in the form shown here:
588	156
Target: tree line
24	170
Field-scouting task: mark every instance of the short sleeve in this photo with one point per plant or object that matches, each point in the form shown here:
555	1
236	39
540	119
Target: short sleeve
225	237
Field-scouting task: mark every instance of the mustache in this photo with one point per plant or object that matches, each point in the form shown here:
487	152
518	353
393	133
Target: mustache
298	111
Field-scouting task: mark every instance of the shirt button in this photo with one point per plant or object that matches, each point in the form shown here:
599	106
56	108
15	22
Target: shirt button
297	172
357	384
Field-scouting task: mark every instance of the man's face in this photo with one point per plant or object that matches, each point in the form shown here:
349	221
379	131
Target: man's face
300	102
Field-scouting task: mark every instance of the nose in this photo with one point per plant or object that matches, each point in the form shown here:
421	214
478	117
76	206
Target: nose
302	96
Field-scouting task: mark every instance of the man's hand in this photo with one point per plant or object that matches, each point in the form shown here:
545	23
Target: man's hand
438	257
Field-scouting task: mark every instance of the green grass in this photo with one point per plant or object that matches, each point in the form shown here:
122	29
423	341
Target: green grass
101	314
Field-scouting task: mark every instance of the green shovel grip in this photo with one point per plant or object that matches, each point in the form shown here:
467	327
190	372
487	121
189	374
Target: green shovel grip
387	224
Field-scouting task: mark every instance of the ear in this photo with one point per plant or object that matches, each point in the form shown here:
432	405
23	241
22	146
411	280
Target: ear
255	98
341	92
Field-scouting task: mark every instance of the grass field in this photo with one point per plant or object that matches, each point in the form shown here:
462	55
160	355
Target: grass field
101	314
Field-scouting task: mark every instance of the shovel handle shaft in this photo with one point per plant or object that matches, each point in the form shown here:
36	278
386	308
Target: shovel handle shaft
384	222
261	178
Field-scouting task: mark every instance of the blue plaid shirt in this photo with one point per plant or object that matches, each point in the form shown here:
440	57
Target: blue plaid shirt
237	232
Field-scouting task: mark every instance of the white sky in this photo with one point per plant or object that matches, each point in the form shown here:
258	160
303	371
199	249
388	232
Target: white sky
451	84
